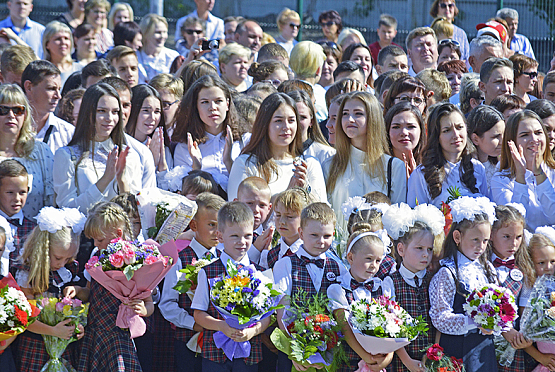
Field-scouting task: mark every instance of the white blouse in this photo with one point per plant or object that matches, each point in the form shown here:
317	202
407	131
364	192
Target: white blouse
418	187
357	182
336	292
472	275
244	168
39	165
212	156
78	190
319	151
154	65
539	200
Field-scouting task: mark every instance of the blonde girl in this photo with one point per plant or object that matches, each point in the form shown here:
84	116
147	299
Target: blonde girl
106	347
47	268
361	163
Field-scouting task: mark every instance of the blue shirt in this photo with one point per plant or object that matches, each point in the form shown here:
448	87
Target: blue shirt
31	33
521	44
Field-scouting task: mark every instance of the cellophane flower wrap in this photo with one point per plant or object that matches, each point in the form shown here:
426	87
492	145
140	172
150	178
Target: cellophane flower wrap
492	307
54	311
16	312
438	361
146	266
313	336
243	297
382	326
538	319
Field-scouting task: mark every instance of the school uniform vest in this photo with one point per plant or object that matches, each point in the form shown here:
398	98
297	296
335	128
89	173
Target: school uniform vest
385	267
273	256
300	278
19	238
416	301
186	257
209	349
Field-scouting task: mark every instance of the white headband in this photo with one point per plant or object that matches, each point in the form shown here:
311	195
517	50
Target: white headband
358	203
380	234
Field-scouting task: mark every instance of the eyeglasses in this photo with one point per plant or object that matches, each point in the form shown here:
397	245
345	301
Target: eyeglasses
167	104
328	24
531	75
276	83
294	25
449	41
190	32
17	110
444	6
416	101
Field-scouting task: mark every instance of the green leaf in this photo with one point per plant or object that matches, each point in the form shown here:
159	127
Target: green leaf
129	271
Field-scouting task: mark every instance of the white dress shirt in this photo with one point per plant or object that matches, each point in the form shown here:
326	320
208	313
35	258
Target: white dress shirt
61	134
202	295
336	292
147	166
78	189
539	200
169	304
282	250
502	271
418	187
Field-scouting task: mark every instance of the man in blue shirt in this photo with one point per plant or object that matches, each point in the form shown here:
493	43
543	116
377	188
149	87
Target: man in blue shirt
18	21
519	43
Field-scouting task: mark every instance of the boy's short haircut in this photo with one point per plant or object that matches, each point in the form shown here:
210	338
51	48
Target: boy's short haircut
16	58
387	21
117	83
128	202
198	182
390	50
320	212
491	64
12	168
118	52
377	197
98	68
234	213
391	76
37	71
272	52
254	184
207	200
549	78
347	66
167	81
296	84
436	82
295	199
512	102
418	32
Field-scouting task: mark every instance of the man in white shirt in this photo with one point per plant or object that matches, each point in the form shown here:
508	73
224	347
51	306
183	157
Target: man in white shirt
18	21
421	46
42	83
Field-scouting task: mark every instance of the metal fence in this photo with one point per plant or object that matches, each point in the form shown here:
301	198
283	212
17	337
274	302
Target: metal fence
537	17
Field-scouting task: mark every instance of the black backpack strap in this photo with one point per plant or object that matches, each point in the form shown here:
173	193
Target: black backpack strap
389	165
47	134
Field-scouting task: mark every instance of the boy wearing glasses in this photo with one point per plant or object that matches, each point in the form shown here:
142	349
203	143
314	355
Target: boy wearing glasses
170	89
387	30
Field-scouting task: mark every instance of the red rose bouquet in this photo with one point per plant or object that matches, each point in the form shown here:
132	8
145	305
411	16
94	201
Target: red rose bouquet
438	361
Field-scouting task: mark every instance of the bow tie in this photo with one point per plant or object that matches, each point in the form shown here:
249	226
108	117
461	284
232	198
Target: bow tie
208	256
14	221
509	264
255	235
319	262
289	253
371	285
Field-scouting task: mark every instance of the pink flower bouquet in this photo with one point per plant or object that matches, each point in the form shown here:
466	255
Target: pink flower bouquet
131	271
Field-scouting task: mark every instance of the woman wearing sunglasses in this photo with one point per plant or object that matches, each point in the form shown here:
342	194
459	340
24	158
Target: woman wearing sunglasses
331	24
289	24
17	141
449	10
526	76
191	30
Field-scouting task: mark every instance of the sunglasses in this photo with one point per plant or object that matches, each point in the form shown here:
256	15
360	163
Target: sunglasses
294	25
17	110
445	6
449	41
190	32
531	75
330	44
167	104
328	24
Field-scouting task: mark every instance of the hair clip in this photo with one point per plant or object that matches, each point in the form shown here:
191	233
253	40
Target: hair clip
399	218
53	219
467	207
547	231
519	207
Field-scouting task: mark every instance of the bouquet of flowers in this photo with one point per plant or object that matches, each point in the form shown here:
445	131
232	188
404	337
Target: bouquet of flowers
492	307
16	312
164	215
243	297
54	311
131	272
381	326
438	361
313	335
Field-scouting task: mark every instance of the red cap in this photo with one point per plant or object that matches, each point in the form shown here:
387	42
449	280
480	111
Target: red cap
494	28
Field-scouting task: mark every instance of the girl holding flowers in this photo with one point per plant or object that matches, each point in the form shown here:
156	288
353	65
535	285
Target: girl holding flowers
48	268
464	269
365	251
537	260
413	232
106	347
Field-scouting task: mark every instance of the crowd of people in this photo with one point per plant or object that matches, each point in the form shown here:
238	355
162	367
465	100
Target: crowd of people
305	158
